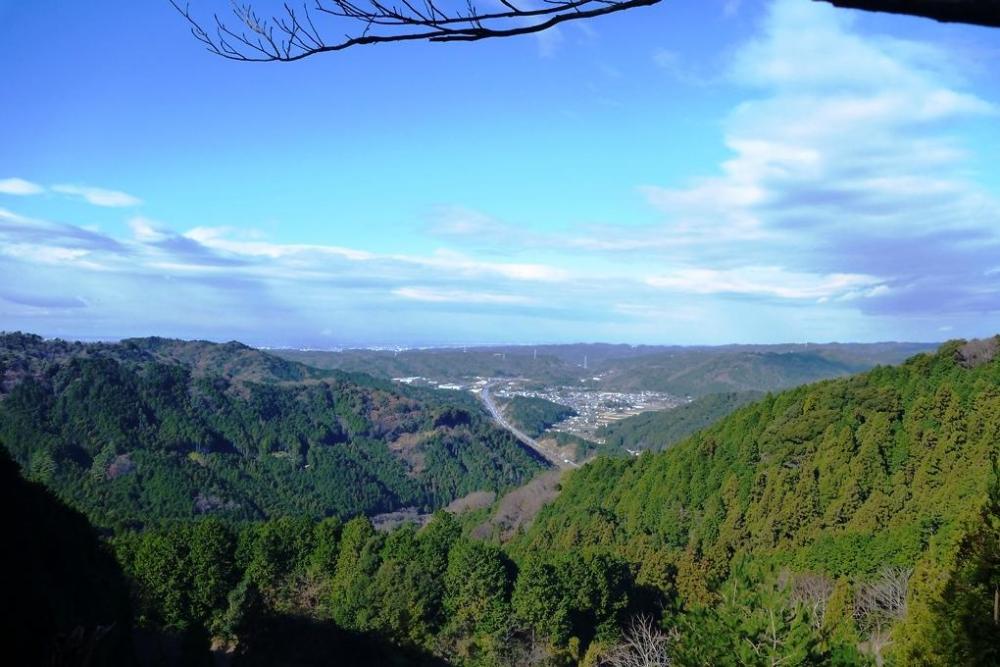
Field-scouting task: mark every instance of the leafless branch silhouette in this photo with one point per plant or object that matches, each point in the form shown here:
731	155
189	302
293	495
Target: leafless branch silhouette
295	33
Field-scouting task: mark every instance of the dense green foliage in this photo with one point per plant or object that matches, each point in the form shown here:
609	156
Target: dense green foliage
430	592
851	522
535	415
657	430
129	438
841	479
25	355
65	598
582	449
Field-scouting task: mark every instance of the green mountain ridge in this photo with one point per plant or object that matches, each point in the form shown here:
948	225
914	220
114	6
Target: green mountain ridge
25	356
150	429
680	370
841	479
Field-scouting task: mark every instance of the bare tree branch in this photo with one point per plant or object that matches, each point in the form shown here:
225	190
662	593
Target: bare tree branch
878	605
643	645
292	33
812	592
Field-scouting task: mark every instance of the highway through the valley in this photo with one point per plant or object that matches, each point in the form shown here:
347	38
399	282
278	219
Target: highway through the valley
528	441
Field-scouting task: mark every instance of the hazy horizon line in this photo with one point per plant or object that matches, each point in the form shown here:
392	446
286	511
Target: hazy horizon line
399	347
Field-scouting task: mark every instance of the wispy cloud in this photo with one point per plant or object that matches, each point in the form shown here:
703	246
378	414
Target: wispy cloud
846	197
98	196
42	301
847	181
464	222
16	228
674	64
239	243
458	296
767	281
19	186
91	195
243	270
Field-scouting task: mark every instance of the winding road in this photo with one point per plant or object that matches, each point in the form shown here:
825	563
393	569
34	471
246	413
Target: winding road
527	440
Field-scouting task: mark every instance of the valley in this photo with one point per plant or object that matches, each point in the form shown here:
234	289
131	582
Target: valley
240	491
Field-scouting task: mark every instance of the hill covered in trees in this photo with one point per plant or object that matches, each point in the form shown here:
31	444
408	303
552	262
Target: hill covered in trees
24	356
151	429
866	488
659	429
535	415
851	522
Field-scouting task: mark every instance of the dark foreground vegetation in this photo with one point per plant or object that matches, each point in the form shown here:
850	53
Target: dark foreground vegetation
851	522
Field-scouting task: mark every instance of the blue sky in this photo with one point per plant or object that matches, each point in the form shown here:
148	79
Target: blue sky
695	172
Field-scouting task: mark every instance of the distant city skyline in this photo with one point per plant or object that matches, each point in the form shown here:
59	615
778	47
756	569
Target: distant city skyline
693	173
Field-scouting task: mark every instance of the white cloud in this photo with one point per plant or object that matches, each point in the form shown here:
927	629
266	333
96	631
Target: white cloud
220	238
458	263
41	253
447	264
769	281
19	186
458	296
848	191
146	230
98	196
843	185
461	221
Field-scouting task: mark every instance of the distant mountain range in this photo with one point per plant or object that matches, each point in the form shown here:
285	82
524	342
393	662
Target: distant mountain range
693	371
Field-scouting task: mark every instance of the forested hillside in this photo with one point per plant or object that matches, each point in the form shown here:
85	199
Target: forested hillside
151	429
535	415
25	356
846	484
657	430
851	522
